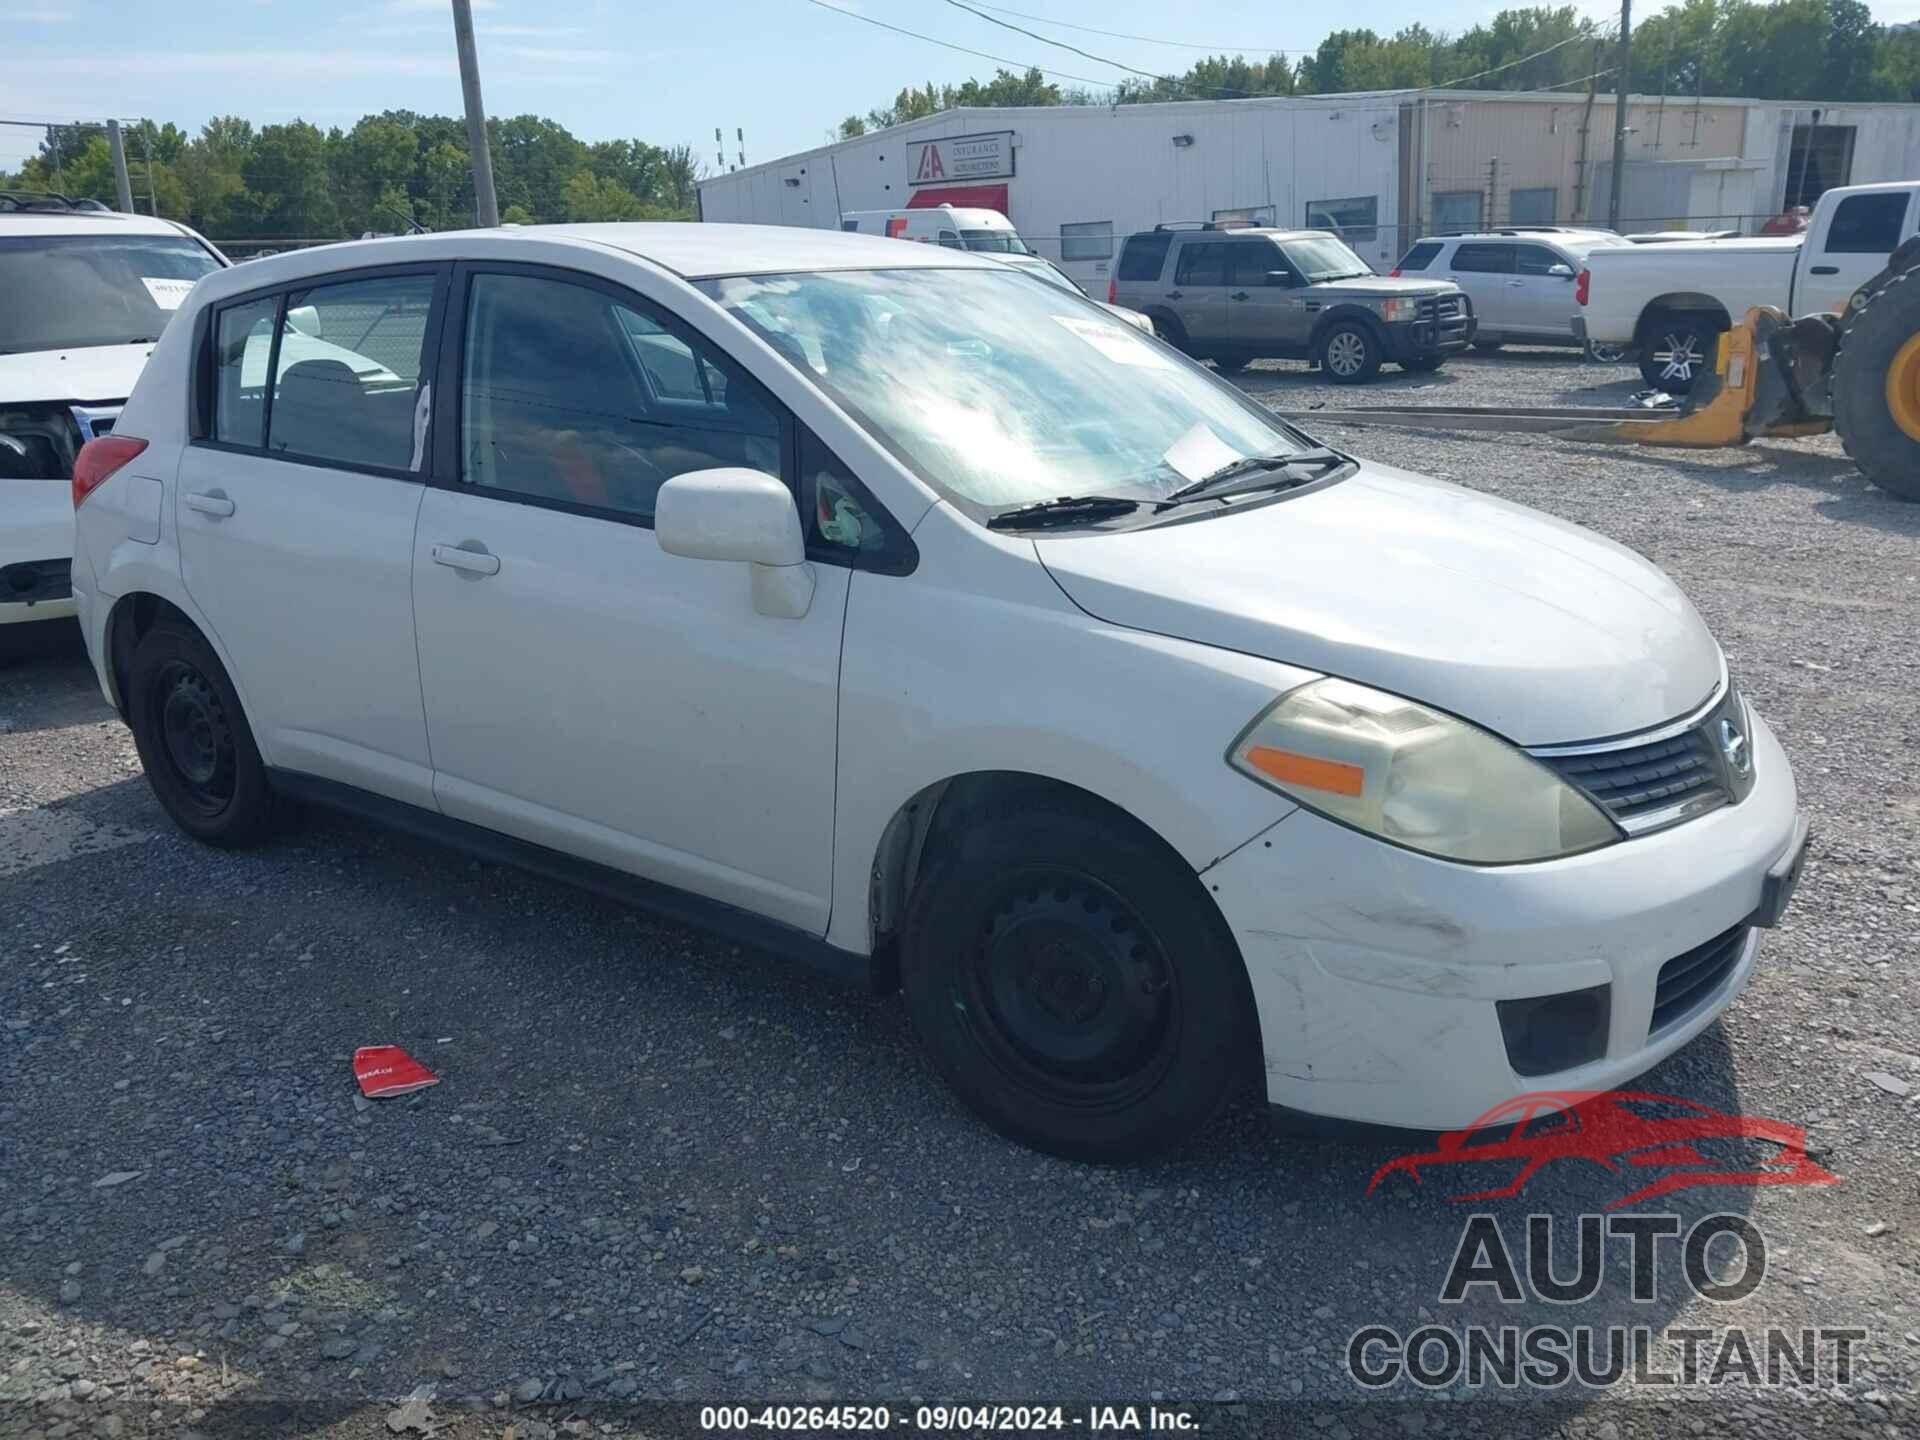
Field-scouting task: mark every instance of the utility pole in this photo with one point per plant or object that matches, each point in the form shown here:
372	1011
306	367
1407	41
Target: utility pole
122	187
1622	83
486	205
146	143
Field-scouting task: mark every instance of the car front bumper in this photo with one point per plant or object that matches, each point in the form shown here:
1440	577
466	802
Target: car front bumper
1436	335
1377	972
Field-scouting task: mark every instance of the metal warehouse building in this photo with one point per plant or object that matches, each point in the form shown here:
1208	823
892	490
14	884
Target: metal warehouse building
1382	168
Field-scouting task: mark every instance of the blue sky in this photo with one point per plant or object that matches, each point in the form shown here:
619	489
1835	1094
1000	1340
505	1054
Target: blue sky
784	70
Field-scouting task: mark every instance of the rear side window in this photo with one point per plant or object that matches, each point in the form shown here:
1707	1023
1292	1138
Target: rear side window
1204	264
1484	259
569	395
243	345
1867	224
347	384
1144	256
1420	256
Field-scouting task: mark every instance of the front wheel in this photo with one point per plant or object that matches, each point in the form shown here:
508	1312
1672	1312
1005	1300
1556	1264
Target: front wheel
1073	983
1679	349
1350	354
194	741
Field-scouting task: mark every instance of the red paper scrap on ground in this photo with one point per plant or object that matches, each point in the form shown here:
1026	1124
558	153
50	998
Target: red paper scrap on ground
388	1070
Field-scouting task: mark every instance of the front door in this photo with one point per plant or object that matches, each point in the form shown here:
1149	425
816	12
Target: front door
1864	230
1267	301
585	690
1543	301
1199	294
1484	269
295	514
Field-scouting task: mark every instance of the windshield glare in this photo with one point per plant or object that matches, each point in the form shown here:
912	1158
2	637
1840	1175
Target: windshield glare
1001	392
1000	242
69	291
1322	257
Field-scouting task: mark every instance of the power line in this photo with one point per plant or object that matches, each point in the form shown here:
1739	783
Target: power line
1031	35
948	45
1150	40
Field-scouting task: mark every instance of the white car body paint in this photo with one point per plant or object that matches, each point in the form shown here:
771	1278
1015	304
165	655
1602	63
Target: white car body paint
1123	664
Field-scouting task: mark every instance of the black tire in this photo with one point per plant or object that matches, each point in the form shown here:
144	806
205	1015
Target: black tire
1423	364
1231	364
1879	358
194	741
1073	983
1170	330
1676	348
1489	346
1350	353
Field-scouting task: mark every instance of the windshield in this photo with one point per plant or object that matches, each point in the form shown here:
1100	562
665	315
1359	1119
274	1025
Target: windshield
1321	257
1047	273
999	242
1001	392
68	291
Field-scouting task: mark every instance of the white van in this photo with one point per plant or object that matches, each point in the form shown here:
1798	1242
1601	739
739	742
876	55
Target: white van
947	225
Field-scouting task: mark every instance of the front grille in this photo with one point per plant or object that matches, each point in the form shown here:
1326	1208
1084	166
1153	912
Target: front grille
1690	980
1641	779
1442	317
35	581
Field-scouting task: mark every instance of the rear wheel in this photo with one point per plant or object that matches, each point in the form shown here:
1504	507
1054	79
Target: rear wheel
1230	364
1350	354
1170	330
1605	354
1679	348
194	741
1876	386
1073	983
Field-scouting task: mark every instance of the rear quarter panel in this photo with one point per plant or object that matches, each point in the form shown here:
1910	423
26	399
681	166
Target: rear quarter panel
1738	275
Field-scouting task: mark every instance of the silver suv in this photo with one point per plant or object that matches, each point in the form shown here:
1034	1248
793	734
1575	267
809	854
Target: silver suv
1231	295
1520	281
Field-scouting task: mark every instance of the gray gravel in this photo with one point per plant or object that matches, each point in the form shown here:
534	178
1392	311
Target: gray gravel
659	1166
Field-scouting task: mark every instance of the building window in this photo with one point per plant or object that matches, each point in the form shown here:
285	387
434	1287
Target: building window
1355	221
1456	212
1087	240
1536	206
1251	214
1821	158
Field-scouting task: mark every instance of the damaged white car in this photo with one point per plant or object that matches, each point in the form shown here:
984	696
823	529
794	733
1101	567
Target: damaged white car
889	610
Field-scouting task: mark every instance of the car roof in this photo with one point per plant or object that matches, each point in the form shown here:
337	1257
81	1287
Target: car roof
691	250
83	222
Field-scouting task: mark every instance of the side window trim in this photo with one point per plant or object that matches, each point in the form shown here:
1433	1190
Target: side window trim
205	417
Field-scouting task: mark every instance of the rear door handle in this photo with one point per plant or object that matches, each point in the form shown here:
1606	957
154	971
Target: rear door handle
1825	270
211	502
1240	295
472	562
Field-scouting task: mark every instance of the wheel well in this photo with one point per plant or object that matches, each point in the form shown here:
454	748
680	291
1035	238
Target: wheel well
932	818
1704	307
133	616
1366	318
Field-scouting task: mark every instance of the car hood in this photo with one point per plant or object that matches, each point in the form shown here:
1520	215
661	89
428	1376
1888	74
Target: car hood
1370	285
1536	629
95	373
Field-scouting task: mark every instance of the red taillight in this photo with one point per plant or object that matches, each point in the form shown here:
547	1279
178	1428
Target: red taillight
1580	287
1113	291
1394	273
98	460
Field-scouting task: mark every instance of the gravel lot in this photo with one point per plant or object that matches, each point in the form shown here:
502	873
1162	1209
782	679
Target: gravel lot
659	1167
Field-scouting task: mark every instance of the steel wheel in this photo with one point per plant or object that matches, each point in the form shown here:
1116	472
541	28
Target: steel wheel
196	737
1069	994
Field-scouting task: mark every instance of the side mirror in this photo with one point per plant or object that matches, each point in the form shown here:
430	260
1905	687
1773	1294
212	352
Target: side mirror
1560	272
1282	278
306	319
745	516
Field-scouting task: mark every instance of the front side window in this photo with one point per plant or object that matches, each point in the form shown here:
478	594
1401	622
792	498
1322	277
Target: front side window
1867	224
243	336
63	292
1087	240
1000	392
1354	220
1254	261
347	384
1535	260
570	395
1483	260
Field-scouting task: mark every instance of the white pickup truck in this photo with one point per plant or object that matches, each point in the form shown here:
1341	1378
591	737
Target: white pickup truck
1667	304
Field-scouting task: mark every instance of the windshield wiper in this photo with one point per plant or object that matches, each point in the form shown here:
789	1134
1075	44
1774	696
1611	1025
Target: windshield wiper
1253	473
1067	510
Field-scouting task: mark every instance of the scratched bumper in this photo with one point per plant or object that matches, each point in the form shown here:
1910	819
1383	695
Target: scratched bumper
1376	970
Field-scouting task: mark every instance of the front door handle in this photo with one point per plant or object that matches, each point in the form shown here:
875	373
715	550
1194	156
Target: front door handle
468	560
1240	295
1175	295
211	502
1515	284
1825	270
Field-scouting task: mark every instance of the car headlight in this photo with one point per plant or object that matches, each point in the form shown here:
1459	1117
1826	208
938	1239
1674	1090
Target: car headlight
1416	777
1390	309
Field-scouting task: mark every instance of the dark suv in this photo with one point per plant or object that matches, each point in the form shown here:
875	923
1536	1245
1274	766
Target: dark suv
1234	295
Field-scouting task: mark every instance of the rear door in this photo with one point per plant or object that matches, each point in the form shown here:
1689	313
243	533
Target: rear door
1484	269
1266	300
1851	248
1543	300
1199	293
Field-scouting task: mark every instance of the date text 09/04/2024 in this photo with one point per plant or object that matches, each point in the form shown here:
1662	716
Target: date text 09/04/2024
957	1418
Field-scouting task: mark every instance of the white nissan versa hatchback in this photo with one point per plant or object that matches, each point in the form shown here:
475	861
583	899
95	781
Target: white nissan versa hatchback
886	608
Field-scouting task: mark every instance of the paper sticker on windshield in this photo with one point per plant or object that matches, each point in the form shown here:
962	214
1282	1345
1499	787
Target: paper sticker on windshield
1119	344
167	294
1199	453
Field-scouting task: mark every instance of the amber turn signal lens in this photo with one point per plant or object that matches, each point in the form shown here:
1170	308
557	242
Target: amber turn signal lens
1292	768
